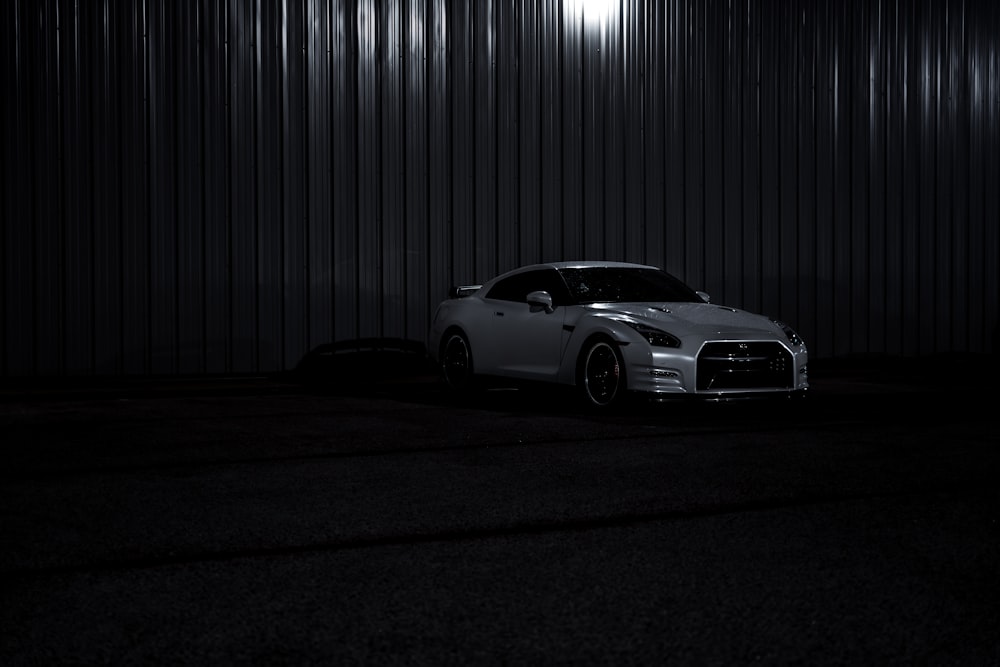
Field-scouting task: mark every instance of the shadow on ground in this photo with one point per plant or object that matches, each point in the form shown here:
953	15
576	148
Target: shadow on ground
363	362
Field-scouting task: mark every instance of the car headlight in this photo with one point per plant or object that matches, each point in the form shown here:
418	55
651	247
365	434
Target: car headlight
790	334
653	336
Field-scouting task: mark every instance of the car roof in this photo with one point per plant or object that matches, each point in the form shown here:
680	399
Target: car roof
582	265
564	265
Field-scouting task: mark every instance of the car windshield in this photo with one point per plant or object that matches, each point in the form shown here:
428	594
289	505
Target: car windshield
605	284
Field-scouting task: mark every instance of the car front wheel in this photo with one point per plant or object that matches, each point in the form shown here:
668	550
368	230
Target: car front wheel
456	361
602	374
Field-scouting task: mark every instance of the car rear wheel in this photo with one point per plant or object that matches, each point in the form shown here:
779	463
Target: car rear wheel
602	374
456	361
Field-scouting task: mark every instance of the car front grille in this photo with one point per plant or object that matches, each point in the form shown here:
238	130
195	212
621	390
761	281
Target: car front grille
749	365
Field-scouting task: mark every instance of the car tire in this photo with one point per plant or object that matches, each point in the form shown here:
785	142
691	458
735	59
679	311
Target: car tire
456	361
601	378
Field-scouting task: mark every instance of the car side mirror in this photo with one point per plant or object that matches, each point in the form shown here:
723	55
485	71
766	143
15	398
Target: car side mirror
704	296
540	300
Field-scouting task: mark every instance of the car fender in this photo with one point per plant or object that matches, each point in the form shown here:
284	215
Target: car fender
585	328
452	313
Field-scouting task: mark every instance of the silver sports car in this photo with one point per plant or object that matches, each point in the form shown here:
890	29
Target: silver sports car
610	329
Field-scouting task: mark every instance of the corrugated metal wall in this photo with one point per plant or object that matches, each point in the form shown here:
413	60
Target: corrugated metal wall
206	186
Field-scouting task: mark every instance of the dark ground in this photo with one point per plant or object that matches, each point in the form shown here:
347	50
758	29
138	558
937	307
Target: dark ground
271	521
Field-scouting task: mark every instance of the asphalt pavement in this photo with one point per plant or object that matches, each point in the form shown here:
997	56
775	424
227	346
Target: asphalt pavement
317	518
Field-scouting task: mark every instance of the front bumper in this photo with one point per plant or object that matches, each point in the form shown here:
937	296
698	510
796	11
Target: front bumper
769	369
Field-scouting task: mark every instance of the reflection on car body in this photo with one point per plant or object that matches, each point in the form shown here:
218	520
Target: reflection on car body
610	329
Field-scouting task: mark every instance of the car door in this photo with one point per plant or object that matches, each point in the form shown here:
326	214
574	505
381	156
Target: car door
525	340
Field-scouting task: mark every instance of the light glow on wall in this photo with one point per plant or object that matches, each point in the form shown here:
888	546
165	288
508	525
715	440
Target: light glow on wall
592	12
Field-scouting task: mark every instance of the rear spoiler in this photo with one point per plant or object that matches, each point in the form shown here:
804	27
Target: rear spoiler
458	291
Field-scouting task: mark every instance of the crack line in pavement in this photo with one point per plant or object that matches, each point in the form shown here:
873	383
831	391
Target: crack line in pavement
968	488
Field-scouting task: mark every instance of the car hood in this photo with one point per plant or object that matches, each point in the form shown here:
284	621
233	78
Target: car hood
689	318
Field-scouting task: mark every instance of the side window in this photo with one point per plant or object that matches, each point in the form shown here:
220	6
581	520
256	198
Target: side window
517	287
509	289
